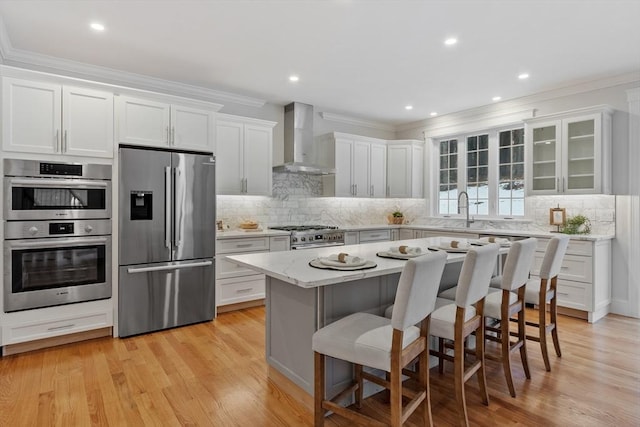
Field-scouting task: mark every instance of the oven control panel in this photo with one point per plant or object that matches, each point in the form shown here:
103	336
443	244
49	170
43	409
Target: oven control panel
43	229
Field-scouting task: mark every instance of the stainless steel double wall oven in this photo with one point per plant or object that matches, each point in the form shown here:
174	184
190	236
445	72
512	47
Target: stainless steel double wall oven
57	231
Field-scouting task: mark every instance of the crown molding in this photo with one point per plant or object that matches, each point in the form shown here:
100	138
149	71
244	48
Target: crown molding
45	63
486	120
339	118
633	94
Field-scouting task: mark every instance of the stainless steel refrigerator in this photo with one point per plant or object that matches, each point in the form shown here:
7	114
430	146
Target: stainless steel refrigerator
166	239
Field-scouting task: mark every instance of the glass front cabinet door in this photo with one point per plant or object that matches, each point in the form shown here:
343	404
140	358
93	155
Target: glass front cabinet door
570	153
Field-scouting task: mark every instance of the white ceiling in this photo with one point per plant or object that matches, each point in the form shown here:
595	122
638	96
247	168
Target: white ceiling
365	59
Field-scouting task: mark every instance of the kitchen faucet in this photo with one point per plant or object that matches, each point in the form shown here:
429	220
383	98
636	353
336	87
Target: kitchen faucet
466	207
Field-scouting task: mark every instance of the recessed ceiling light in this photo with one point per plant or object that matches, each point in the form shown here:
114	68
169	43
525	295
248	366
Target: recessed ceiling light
433	113
496	98
294	78
408	107
451	41
523	76
97	26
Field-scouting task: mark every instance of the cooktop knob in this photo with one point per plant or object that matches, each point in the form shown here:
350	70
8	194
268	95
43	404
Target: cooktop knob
88	228
295	239
33	230
303	239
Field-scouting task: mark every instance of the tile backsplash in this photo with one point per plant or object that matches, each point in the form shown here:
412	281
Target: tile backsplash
297	199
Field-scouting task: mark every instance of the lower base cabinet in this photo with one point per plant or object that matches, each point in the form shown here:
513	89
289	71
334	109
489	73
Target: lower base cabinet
235	284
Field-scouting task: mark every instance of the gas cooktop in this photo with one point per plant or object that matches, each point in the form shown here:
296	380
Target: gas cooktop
312	236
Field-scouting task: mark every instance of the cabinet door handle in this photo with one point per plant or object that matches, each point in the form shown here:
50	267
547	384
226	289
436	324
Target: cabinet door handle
173	135
388	191
371	194
245	290
59	328
356	192
563	184
558	185
244	245
65	146
57	140
563	293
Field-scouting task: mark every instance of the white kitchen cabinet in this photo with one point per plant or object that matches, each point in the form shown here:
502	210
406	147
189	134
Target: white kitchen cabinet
244	156
451	234
237	284
156	123
351	238
379	235
405	169
360	164
584	281
569	153
49	118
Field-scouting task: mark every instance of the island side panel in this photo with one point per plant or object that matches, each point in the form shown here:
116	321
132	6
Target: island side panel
290	324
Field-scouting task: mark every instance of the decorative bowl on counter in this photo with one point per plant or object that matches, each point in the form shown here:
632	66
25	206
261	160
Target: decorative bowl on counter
248	225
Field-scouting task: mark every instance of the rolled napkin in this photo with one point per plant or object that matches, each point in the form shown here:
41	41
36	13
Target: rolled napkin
455	244
405	250
492	239
345	259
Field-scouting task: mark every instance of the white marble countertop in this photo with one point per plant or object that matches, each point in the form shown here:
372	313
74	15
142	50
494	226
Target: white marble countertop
293	266
236	233
492	231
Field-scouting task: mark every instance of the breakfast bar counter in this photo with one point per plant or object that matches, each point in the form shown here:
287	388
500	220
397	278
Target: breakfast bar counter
301	299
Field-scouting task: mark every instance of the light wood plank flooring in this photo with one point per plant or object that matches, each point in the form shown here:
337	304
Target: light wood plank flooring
214	374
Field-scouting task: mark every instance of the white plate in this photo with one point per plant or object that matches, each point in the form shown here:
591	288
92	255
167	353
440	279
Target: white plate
398	255
450	249
333	263
318	264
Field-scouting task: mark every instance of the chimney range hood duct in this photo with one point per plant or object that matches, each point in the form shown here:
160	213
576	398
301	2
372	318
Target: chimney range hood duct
299	150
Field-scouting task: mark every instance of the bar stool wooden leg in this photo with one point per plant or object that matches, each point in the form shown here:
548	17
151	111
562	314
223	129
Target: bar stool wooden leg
482	381
542	326
396	386
440	358
458	371
318	392
358	393
423	375
522	335
506	350
554	316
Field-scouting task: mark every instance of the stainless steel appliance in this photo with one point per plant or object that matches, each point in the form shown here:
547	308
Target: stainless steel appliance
49	263
35	190
167	239
313	236
57	247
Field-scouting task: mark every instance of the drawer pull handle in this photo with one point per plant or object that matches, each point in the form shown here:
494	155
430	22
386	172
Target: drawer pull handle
563	293
564	268
241	291
59	328
244	245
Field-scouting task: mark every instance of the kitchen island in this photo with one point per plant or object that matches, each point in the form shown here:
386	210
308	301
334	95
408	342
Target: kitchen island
301	299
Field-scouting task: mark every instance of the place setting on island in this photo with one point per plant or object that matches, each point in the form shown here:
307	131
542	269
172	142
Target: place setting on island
342	261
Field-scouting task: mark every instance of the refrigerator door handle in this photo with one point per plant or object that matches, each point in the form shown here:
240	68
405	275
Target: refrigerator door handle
167	207
178	204
133	270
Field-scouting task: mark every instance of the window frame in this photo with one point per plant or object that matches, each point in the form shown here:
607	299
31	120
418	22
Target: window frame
493	172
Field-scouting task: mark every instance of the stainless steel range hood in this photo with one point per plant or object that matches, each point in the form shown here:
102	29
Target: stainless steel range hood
299	149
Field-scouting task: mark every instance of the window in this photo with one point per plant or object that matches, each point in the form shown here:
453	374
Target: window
478	174
489	166
511	175
448	194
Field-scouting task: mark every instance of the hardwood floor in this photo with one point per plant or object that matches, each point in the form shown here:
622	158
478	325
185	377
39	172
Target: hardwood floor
214	374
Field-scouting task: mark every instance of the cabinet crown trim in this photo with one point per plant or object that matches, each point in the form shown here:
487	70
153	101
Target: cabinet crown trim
249	120
595	109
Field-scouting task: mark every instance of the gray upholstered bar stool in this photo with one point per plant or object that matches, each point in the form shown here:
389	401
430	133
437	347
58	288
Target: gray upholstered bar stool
510	301
385	344
542	290
455	321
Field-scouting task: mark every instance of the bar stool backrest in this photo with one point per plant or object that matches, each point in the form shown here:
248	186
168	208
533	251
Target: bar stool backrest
518	264
553	256
477	269
417	289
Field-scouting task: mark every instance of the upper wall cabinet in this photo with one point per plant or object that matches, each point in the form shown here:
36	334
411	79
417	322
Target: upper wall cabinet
162	124
570	153
405	168
360	164
48	118
244	155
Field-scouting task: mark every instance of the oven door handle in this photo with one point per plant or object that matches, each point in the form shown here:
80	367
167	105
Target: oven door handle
133	270
59	183
56	243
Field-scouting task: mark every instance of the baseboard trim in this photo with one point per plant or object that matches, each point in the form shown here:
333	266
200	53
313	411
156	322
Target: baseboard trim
240	305
290	388
24	347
